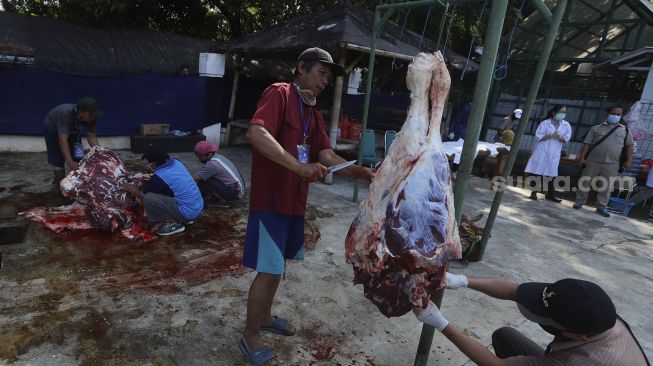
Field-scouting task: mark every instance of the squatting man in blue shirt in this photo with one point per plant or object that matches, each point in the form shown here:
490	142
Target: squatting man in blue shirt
170	196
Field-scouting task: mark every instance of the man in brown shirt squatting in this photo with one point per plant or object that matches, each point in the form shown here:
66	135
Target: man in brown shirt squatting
578	313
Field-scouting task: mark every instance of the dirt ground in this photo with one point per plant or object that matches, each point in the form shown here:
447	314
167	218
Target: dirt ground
91	298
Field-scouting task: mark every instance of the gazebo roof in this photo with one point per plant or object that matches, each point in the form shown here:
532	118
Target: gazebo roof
332	30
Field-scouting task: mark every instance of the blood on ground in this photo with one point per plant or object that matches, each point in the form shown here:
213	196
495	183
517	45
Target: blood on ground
208	249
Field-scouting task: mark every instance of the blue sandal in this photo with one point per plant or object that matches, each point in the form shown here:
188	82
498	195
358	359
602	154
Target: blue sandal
257	357
279	326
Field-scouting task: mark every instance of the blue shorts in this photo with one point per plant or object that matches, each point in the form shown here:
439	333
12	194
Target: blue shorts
55	157
271	239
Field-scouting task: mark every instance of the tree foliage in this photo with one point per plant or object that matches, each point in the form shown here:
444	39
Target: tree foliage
229	19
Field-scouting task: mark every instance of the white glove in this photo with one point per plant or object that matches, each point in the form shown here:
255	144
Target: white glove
454	281
431	316
451	135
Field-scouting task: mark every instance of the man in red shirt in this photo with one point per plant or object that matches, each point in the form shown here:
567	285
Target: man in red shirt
291	150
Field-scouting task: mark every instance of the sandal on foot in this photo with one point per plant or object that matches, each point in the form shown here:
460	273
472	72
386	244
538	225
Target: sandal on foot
279	326
259	356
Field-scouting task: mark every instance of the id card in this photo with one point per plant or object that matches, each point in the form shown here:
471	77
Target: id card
78	151
302	153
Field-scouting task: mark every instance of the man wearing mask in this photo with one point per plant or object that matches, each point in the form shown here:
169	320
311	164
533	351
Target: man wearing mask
600	157
291	150
578	313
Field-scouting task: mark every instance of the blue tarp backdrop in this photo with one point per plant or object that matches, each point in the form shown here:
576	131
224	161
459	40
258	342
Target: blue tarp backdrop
187	103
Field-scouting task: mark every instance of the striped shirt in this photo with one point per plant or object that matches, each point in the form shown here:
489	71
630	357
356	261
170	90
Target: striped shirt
614	347
222	169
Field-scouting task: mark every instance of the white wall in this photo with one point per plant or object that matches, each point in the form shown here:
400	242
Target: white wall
17	143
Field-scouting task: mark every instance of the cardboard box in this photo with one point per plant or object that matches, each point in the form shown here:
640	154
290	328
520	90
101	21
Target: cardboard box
169	143
154	129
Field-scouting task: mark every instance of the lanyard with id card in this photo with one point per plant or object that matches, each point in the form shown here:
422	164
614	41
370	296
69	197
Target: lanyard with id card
303	150
78	148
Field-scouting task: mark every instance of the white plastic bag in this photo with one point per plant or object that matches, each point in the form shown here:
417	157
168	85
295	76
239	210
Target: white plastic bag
632	119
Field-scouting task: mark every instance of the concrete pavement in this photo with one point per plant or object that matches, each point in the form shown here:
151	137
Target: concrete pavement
82	299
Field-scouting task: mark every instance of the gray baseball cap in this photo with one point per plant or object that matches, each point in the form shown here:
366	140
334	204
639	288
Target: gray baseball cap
323	57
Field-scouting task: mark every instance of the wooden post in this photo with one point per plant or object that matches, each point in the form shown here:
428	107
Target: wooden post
335	108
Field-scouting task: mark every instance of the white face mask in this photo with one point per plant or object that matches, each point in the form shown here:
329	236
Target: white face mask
560	116
614	119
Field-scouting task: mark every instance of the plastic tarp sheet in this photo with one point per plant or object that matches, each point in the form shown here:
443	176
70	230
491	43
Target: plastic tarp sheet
187	103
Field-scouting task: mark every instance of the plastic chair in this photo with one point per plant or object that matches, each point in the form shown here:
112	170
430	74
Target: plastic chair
624	183
388	139
368	144
627	180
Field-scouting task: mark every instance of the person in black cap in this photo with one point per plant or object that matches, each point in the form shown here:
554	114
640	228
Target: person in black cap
170	196
291	150
578	313
64	126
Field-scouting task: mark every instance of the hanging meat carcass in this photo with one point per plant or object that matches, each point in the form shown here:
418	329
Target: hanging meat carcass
405	233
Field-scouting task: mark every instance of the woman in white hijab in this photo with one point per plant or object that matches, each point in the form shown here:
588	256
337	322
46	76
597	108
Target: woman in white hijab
552	134
507	123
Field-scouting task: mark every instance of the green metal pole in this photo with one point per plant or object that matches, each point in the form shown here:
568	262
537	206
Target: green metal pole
410	4
532	94
483	82
479	102
426	338
543	9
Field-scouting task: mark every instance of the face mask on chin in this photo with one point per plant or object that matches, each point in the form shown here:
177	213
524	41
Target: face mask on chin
613	119
307	96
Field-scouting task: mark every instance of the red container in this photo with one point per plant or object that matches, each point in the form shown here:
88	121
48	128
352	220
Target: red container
344	125
355	131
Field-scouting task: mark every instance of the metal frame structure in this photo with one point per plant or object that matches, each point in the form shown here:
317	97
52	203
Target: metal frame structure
479	102
591	86
569	31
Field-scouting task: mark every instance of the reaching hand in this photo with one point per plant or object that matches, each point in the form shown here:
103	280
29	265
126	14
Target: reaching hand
130	188
454	281
431	316
312	172
365	174
73	165
627	165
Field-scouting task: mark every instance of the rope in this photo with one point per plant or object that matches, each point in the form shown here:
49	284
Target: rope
394	65
446	38
426	22
471	45
501	70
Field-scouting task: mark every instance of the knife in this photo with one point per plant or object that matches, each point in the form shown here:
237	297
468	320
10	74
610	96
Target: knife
335	168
